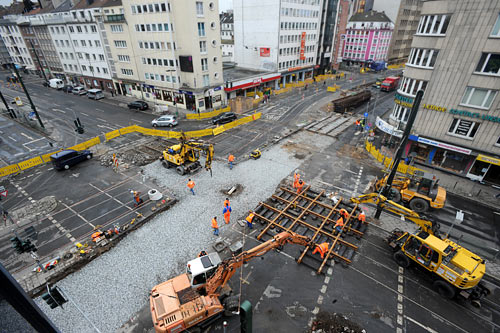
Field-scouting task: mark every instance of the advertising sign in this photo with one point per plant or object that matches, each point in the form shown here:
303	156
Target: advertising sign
444	145
265	51
303	46
388	128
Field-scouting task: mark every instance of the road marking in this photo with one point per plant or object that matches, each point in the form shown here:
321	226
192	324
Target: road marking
104	126
78	214
427	328
85	114
27	136
139	121
12	138
99	110
58	110
400	297
103	120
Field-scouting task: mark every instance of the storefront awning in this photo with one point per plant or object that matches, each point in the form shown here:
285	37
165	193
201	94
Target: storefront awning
488	159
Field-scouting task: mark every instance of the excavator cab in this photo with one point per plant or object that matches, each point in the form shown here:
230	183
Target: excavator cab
202	268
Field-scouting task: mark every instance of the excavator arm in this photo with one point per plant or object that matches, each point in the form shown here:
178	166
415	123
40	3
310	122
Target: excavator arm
229	266
426	225
206	148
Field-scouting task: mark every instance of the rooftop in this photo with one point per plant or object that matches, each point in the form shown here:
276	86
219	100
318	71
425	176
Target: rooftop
371	16
234	73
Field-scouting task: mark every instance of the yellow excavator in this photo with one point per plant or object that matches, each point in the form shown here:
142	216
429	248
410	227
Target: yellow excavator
420	192
454	269
185	156
197	298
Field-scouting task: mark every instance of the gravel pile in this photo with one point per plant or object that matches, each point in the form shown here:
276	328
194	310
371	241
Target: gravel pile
115	286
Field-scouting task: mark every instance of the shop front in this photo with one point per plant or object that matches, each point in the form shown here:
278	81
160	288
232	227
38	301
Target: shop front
440	154
252	84
485	168
296	74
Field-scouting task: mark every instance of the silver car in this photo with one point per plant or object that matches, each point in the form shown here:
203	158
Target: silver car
79	91
167	120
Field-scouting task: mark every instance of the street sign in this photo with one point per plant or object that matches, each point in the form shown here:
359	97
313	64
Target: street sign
18	100
460	216
365	114
4	193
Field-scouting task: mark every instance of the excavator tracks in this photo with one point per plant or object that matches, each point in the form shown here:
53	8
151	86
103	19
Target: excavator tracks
312	214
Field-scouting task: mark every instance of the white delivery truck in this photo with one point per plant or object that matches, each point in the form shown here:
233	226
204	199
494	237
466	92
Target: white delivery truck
56	83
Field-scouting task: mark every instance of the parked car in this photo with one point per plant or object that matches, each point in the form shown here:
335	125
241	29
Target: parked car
56	83
65	159
167	120
79	91
224	118
138	105
67	89
95	94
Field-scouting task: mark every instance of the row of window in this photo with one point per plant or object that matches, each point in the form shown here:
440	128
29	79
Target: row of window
365	40
156	45
79	29
304	2
433	25
411	86
361	33
297	12
154	27
423	57
94	70
159	62
295	38
160	77
128	72
123	58
150	8
10	28
295	63
296	50
298	26
116	28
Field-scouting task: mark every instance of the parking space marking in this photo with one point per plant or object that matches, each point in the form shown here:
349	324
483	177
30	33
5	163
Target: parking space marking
111	197
27	136
77	214
427	328
400	298
85	114
58	110
12	138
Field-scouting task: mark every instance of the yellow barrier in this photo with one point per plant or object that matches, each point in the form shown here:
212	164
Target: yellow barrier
46	158
218	130
112	135
387	161
199	133
8	170
205	115
30	163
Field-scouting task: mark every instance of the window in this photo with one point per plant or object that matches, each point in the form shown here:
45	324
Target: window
101	57
199	8
97	43
116	28
78	28
433	25
84	43
120	43
84	68
201	29
489	64
203	47
71	29
496	28
480	98
204	64
123	58
206	79
105	70
423	57
400	113
464	128
127	71
411	86
93	28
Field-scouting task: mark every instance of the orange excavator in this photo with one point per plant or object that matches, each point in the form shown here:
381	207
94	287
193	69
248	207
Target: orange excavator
200	296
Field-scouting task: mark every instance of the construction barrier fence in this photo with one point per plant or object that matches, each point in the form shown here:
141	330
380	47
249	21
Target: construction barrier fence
206	115
42	159
387	161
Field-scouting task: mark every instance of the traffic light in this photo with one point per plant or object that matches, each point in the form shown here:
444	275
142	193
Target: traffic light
17	244
28	246
53	297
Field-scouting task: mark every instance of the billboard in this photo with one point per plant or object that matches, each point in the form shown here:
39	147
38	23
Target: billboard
303	46
265	51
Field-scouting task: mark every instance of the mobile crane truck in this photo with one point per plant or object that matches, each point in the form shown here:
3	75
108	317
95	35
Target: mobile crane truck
454	269
197	298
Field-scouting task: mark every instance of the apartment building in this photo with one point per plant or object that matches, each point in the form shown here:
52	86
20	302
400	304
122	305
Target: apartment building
44	46
15	44
367	38
172	54
455	59
4	54
227	35
326	36
278	36
405	14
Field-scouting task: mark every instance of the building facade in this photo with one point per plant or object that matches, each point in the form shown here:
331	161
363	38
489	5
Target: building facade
368	36
15	44
326	35
455	59
278	36
227	36
405	14
343	13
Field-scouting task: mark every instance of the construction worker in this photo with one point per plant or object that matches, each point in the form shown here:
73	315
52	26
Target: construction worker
296	178
215	226
339	224
190	185
202	253
358	124
362	217
300	185
344	213
226	202
137	198
249	220
227	213
322	249
230	159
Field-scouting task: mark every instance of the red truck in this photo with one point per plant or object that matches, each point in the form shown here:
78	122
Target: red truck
390	83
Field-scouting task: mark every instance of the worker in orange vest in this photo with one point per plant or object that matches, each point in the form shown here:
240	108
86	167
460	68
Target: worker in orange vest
344	213
296	178
362	217
249	220
226	202
230	159
322	249
215	226
190	185
340	223
300	185
227	213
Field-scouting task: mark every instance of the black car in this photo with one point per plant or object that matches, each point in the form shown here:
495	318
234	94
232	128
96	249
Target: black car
224	118
67	158
138	105
67	89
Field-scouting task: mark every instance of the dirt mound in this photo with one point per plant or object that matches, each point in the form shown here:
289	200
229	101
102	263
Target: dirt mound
334	323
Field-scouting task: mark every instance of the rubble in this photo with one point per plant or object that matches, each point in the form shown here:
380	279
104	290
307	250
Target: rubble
334	323
33	211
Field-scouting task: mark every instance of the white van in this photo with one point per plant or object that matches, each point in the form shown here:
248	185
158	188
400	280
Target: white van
95	94
56	83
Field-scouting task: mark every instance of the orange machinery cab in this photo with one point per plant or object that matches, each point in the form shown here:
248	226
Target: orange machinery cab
179	303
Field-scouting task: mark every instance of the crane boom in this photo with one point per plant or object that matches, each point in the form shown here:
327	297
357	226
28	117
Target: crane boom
381	201
228	267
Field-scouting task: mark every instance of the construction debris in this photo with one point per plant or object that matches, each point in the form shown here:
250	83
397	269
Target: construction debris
334	323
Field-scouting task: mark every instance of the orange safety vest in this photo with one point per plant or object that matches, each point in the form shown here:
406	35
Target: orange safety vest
340	222
230	158
323	247
299	187
344	212
226	203
357	122
250	217
362	217
191	184
214	224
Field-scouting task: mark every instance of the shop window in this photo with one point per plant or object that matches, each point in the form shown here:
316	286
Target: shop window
463	128
480	98
489	64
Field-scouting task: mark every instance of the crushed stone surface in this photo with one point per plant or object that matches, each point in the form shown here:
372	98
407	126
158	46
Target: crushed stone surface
116	285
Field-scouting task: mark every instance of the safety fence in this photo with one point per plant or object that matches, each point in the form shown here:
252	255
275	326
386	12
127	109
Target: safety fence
42	159
396	66
205	115
387	161
333	88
